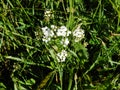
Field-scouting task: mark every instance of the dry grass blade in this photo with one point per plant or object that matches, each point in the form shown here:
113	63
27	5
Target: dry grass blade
44	81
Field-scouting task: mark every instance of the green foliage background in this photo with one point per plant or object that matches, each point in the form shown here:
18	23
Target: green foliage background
26	62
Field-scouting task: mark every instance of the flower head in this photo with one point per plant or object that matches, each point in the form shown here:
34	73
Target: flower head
53	27
62	56
65	42
47	13
46	39
47	34
63	31
78	34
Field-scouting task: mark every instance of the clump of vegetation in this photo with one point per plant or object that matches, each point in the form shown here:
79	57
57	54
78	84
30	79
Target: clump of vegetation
59	44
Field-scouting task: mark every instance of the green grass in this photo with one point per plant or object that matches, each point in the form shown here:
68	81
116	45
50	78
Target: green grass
28	63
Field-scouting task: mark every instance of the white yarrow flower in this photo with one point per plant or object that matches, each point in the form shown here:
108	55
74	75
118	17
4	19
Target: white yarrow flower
46	39
62	31
65	42
47	34
53	27
63	28
62	56
47	13
78	34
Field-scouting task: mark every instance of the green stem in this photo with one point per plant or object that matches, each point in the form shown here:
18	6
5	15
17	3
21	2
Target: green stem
61	75
71	16
70	79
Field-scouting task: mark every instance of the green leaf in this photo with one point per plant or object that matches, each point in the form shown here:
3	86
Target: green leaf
52	53
20	60
30	82
73	53
2	86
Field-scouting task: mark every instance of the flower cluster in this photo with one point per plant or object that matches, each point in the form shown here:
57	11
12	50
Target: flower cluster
54	28
62	56
65	42
47	13
78	34
56	32
47	34
64	33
